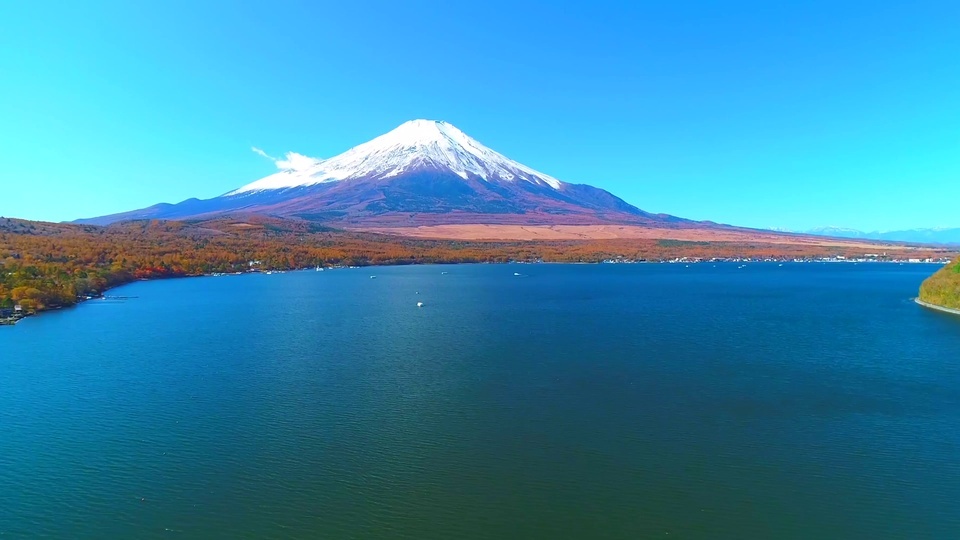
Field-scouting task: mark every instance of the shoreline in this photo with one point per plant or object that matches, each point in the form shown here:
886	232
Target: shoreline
935	307
732	260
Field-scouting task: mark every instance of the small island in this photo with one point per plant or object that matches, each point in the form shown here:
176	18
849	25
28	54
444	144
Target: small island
942	289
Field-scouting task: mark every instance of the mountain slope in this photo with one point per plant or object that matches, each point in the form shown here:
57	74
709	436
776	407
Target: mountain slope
423	172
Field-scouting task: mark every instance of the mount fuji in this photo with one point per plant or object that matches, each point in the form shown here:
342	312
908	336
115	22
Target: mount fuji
423	172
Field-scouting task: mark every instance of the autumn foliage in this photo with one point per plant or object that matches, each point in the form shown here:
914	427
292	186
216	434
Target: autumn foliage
943	288
48	265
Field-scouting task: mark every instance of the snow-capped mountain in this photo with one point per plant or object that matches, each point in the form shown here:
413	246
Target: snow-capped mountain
924	236
415	145
843	232
422	172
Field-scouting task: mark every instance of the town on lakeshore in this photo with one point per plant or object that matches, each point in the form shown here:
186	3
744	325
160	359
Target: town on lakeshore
833	259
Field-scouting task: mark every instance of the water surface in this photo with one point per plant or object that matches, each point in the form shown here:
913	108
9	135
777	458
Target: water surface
573	401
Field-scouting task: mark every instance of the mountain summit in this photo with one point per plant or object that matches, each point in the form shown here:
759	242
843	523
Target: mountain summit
423	172
417	145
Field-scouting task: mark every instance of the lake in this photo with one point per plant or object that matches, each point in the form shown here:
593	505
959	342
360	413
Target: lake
570	401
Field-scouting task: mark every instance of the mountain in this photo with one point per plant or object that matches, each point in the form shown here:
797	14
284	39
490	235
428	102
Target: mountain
922	236
422	173
839	232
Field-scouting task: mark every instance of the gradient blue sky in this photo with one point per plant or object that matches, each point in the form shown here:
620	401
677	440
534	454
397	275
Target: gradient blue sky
751	113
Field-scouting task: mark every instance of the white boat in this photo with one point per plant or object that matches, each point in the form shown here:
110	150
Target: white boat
373	277
516	273
419	304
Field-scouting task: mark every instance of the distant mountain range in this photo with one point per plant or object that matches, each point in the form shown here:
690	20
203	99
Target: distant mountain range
422	173
925	236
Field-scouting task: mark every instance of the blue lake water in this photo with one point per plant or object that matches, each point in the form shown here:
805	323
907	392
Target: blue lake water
572	401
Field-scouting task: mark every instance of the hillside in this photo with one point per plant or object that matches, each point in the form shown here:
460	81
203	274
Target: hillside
943	287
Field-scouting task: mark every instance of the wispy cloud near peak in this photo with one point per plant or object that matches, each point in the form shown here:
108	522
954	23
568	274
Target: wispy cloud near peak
296	162
262	153
291	161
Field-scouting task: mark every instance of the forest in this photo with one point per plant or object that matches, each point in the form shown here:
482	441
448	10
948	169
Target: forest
50	265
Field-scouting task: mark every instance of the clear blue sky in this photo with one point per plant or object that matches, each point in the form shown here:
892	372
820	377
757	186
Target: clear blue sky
751	113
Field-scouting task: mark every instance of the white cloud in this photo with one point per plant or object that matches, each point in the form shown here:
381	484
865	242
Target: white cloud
291	161
296	162
262	153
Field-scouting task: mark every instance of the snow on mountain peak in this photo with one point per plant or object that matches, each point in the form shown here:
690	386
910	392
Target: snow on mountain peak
414	145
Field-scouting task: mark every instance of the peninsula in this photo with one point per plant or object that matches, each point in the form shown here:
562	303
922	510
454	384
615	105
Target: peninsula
942	289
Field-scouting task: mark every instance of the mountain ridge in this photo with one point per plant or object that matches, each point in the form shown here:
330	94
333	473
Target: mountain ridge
937	235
